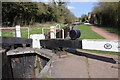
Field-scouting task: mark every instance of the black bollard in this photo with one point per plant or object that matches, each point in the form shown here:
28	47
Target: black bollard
74	34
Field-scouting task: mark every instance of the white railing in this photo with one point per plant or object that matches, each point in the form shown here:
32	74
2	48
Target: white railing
17	32
53	31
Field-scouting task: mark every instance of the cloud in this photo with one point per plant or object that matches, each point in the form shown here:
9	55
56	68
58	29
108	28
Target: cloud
70	7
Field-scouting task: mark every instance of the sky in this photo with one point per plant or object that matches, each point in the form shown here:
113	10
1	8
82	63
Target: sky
79	8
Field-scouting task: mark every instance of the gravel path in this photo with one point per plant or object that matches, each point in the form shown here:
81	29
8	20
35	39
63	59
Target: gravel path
105	34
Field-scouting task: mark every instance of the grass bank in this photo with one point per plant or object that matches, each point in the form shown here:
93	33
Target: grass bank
87	33
98	51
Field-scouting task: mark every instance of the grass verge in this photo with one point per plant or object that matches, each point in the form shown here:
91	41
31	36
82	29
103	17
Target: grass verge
101	52
45	77
87	33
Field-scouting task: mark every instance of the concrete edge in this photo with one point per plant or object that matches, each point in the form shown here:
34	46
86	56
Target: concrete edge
46	70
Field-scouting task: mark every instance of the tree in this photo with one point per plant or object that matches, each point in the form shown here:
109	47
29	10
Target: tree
84	17
18	12
107	13
25	13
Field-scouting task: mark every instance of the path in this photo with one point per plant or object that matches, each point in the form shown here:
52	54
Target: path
82	64
105	34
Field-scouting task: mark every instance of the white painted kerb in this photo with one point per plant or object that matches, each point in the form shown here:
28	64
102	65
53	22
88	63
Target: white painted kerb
104	45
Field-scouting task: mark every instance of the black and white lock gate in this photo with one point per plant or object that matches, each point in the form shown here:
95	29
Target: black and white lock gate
92	44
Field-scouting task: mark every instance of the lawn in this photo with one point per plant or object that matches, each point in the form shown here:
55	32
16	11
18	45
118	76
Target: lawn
34	29
87	33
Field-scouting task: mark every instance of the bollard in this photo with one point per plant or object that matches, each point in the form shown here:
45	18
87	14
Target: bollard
74	34
63	34
53	32
18	33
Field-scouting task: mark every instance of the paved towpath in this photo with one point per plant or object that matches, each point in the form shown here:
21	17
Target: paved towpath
82	64
105	34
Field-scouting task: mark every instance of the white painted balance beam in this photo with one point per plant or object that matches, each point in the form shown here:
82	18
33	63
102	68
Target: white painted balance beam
101	44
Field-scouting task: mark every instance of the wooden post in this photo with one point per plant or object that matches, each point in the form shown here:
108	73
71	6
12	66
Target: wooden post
63	34
53	32
18	33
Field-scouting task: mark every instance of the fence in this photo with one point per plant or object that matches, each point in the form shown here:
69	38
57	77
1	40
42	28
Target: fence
17	32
